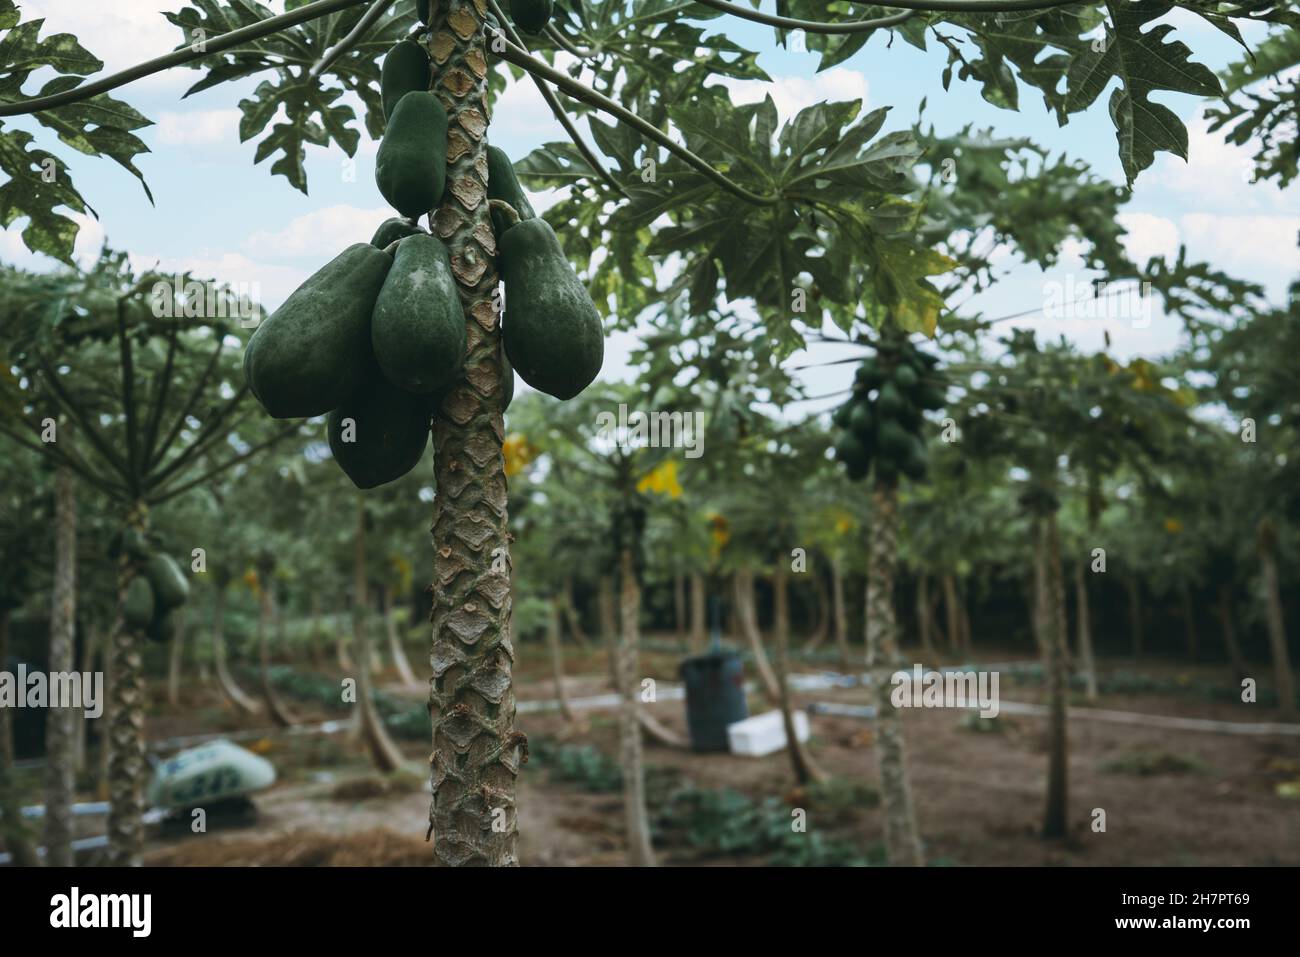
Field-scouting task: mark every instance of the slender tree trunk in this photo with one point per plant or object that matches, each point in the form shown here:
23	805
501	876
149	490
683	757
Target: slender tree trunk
316	630
639	851
176	656
747	619
571	616
923	619
89	649
275	707
1050	600
476	750
1227	624
698	626
841	617
1135	615
557	657
609	625
963	605
341	655
1087	661
395	650
1189	621
822	621
805	769
60	723
13	828
383	752
127	767
902	837
680	626
1282	674
236	695
953	613
104	725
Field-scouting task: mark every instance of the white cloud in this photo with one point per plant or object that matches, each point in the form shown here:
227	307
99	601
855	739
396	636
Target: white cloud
199	128
321	234
794	93
1249	244
1147	235
90	239
268	285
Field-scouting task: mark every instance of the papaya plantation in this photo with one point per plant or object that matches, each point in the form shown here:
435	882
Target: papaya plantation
901	469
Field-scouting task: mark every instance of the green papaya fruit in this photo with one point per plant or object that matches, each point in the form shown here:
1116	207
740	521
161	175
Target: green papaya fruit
892	439
422	10
411	166
552	332
314	351
531	16
406	70
392	230
930	397
861	422
905	378
418	328
850	450
868	375
913	464
163	626
890	401
840	417
379	434
886	470
167	580
130	542
504	185
139	607
508	382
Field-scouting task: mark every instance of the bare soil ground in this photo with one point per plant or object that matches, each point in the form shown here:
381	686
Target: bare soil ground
1169	797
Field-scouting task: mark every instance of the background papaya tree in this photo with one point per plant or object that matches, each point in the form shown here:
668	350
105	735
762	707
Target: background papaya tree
157	409
823	204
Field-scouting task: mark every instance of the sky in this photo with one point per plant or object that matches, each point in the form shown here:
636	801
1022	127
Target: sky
219	216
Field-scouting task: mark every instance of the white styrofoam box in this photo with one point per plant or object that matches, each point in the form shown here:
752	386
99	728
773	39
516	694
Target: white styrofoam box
764	733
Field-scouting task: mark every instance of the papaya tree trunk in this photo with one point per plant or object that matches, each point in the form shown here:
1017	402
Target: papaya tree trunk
902	838
1135	615
805	769
60	723
127	768
476	750
395	650
557	657
639	852
89	651
176	656
840	613
1086	660
571	616
384	753
698	626
1282	675
276	708
747	618
924	617
1050	602
609	625
236	695
104	726
1227	624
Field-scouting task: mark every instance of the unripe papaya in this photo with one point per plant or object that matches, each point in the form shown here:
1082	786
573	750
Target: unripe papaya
504	185
411	166
552	332
840	417
379	434
913	463
860	421
163	627
314	351
406	70
893	440
391	230
890	401
418	329
168	582
905	378
531	16
850	450
139	606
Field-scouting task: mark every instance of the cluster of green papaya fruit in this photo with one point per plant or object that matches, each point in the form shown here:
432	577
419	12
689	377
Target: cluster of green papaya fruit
157	588
881	422
376	338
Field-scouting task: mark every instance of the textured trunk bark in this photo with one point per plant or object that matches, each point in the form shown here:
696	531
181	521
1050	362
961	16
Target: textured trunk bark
571	616
1135	616
1087	662
60	723
902	838
609	625
395	650
1189	621
805	769
236	695
747	619
953	613
698	625
924	619
476	750
104	726
383	752
89	649
680	625
13	828
276	708
127	767
176	656
1050	597
639	852
1236	660
841	619
1282	675
557	657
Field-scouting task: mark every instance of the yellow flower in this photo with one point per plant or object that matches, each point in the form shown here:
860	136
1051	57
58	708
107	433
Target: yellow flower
518	453
662	480
719	533
251	580
1173	526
